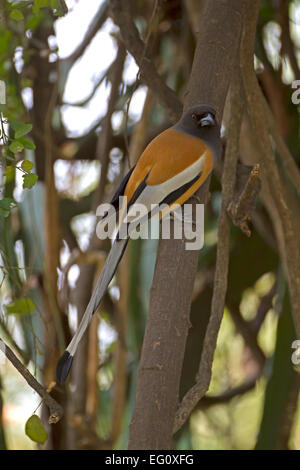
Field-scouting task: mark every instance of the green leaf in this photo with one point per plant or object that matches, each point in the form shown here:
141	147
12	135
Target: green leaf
38	4
16	15
10	172
27	165
20	128
7	153
21	306
5	42
28	144
23	130
34	21
15	124
6	204
16	146
35	430
29	180
59	7
3	213
54	4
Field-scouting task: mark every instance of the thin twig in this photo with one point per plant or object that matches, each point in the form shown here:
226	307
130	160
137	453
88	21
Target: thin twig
244	329
105	136
265	304
139	135
241	208
287	45
288	161
98	83
148	73
56	411
22	353
137	79
93	28
229	394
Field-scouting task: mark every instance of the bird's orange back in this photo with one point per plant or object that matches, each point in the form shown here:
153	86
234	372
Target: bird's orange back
166	156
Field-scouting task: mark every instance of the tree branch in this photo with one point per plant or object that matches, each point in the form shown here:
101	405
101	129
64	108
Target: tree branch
105	136
257	115
56	411
122	17
288	161
171	293
287	47
97	84
93	28
241	207
193	396
229	394
265	305
244	328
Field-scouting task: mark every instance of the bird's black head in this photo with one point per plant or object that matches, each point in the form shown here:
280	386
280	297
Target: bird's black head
200	121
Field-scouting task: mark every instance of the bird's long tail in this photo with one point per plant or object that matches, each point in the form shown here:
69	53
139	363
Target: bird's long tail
112	261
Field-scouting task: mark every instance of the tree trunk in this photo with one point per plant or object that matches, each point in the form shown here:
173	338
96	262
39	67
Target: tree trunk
171	294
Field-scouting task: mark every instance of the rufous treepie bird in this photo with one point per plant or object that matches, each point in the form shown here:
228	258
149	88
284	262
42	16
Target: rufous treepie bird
170	170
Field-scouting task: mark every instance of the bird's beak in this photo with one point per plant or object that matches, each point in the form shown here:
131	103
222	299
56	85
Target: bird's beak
207	120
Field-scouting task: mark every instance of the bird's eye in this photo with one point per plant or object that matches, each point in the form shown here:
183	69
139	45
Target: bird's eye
196	117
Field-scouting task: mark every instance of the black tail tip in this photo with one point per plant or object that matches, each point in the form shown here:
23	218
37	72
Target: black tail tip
63	367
